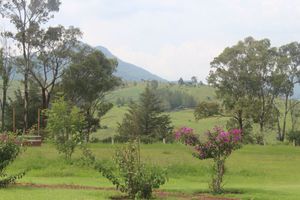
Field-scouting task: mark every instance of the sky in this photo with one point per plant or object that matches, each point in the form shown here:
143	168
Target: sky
179	38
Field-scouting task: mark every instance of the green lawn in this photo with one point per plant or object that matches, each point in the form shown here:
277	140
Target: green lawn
254	172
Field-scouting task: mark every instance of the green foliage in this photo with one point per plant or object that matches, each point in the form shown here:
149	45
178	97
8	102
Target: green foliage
18	103
206	109
294	137
86	82
8	153
145	120
131	176
65	124
175	99
247	81
180	81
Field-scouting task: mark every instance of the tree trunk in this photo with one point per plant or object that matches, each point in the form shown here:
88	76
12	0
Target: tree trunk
44	99
240	121
88	126
284	118
26	98
219	171
4	92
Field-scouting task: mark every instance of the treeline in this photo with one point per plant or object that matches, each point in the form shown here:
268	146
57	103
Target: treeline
170	99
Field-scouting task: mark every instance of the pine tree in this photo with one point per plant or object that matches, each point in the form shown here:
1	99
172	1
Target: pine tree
145	119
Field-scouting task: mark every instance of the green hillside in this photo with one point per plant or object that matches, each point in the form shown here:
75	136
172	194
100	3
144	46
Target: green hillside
132	91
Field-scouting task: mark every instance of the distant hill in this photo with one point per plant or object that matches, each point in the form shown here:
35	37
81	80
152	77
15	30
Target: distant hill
128	71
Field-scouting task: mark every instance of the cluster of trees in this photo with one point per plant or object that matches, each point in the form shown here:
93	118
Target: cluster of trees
169	99
175	99
52	63
252	78
193	82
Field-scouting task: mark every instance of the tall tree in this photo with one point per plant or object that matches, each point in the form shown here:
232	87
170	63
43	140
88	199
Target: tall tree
230	75
288	70
6	73
27	17
86	82
244	77
262	64
56	45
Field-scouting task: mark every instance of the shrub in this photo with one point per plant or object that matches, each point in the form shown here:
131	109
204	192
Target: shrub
132	177
219	146
294	136
8	153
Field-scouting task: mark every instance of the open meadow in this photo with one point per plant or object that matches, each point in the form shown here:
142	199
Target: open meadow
254	172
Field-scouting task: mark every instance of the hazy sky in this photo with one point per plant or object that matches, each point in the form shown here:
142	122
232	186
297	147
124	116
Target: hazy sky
179	38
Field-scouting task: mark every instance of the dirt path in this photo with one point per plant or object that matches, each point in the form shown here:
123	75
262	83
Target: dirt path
158	193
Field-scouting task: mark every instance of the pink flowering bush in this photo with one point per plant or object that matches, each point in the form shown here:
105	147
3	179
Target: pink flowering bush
219	146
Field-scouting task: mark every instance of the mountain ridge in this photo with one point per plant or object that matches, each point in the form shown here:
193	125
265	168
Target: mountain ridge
129	71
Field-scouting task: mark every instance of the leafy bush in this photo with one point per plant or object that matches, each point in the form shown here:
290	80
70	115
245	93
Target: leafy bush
219	146
8	153
294	136
65	124
132	177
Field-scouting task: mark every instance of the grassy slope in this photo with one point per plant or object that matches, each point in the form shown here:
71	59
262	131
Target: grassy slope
133	91
179	118
256	172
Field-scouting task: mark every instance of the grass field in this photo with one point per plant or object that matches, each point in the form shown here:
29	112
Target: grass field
254	172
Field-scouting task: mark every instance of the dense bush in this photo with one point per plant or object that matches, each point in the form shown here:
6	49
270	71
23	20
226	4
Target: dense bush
65	125
8	153
219	146
130	175
294	136
17	103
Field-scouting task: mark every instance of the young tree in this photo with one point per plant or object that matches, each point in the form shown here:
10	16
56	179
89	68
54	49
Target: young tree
194	80
9	151
65	124
180	81
27	17
86	82
145	120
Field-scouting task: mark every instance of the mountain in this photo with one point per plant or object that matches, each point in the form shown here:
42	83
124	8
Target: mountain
128	71
296	92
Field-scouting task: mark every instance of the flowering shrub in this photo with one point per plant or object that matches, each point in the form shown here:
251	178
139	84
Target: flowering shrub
219	146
